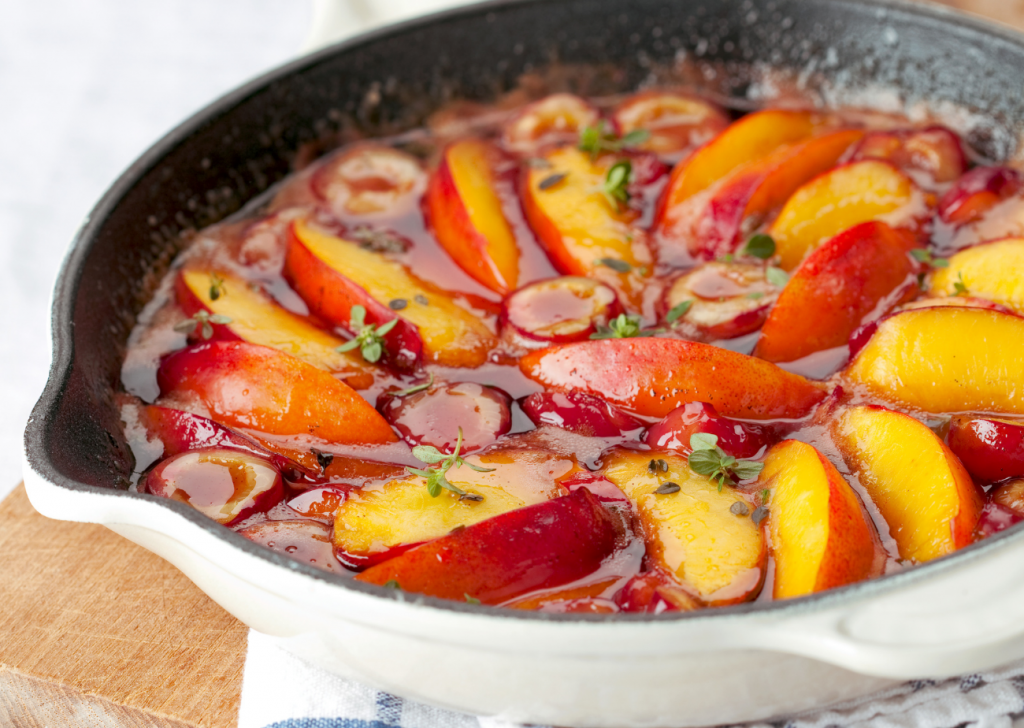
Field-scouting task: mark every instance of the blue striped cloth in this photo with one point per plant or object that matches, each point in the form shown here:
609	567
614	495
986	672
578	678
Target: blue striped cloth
281	691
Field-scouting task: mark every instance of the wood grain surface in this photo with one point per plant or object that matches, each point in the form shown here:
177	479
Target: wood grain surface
96	631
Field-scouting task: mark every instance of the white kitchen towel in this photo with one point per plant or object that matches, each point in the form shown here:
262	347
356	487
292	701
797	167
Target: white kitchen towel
281	691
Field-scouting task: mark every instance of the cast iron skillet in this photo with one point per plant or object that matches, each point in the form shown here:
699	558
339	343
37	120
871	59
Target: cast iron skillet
238	147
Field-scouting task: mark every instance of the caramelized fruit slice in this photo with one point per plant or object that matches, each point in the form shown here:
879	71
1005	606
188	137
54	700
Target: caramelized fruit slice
257	319
308	542
370	180
859	274
558	310
692	533
736	438
333	275
537	547
945	359
821	536
990	448
553	119
992	271
837	200
370	524
977	192
933	156
256	388
676	123
653	376
584	232
225	485
581	413
465	213
721	300
921	489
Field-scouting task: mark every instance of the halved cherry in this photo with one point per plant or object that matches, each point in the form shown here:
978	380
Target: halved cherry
577	412
655	592
226	485
677	123
990	448
737	438
554	119
558	310
977	192
1010	495
319	502
434	416
370	180
995	518
933	156
307	542
726	300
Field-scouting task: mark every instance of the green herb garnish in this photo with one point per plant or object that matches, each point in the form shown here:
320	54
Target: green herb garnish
760	246
623	326
678	310
776	276
960	285
754	295
392	584
202	320
602	138
552	180
369	337
617	265
710	460
416	388
216	287
926	257
471	600
765	495
436	477
616	183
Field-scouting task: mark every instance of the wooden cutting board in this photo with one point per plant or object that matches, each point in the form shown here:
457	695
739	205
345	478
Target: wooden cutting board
96	631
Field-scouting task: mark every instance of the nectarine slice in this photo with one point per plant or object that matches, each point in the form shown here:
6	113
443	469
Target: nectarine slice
537	547
332	275
837	200
259	320
720	300
692	533
932	156
466	216
945	359
583	232
991	448
859	273
992	271
374	521
922	491
653	376
821	536
677	123
256	388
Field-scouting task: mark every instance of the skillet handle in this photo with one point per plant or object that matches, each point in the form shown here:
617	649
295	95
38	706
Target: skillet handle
967	617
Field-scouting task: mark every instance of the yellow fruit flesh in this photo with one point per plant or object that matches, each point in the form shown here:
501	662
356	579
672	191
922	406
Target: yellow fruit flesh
838	200
452	336
946	359
799	516
908	473
258	320
994	271
403	511
692	532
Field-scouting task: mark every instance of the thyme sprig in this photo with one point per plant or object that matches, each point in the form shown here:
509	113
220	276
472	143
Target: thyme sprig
710	460
201	320
369	337
437	477
602	138
623	326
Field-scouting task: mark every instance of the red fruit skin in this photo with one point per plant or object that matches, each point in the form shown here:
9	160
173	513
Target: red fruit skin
995	518
537	547
433	416
191	305
331	296
739	439
991	449
653	592
978	191
320	502
603	489
554	297
307	542
935	150
577	412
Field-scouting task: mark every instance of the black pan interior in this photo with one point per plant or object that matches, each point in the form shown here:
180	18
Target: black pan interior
238	147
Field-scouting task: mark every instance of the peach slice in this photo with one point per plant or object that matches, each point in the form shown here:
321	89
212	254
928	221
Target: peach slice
677	123
372	523
223	484
991	448
860	273
977	192
553	119
720	300
653	376
837	200
332	275
751	194
465	213
990	271
537	547
922	491
945	359
259	320
932	156
692	533
369	181
257	388
821	536
583	232
955	301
